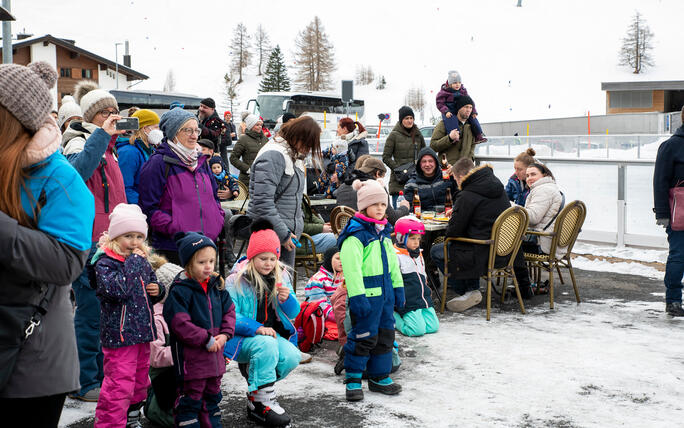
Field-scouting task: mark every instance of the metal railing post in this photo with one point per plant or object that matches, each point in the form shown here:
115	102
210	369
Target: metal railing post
638	147
621	206
578	146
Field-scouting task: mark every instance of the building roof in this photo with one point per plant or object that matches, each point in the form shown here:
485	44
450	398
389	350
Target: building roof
71	46
676	85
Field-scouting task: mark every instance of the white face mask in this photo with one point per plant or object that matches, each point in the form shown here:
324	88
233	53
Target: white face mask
155	137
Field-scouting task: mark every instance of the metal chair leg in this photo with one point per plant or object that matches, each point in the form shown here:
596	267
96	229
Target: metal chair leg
489	295
560	276
550	270
517	293
574	283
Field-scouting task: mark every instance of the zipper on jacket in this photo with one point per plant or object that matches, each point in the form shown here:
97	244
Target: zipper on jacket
154	332
199	199
121	322
422	287
211	321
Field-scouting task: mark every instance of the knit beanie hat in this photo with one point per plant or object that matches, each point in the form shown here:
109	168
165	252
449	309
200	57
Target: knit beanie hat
405	111
126	218
146	117
328	256
209	102
68	110
250	121
368	192
461	101
453	77
341	146
25	92
189	243
263	239
166	273
172	120
215	159
205	142
288	116
175	104
93	99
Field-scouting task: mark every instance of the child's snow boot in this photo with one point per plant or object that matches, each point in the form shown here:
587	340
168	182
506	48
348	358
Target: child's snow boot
384	385
263	408
134	418
353	389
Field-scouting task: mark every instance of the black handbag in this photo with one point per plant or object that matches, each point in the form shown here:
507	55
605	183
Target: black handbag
19	322
404	172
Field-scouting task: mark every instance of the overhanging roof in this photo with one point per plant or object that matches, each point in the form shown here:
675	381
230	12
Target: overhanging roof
671	85
69	45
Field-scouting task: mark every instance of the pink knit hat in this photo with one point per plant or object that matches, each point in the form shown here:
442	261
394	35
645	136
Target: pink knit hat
368	192
127	218
263	239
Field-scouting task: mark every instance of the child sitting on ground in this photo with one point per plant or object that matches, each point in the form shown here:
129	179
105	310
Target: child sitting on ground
201	318
336	170
127	288
323	283
265	342
374	288
446	103
162	393
418	317
227	185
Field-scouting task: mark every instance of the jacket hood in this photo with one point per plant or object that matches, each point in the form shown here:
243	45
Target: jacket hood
447	87
680	131
77	129
481	180
356	224
355	136
122	141
427	151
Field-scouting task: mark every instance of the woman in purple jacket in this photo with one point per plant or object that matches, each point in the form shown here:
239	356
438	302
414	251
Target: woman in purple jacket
177	189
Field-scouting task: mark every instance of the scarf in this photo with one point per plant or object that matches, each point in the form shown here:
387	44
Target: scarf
187	156
220	176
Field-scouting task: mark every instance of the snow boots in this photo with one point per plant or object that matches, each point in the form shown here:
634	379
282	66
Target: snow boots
263	408
353	389
674	309
384	386
134	417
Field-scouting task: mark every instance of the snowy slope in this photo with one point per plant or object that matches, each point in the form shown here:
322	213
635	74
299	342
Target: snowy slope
546	59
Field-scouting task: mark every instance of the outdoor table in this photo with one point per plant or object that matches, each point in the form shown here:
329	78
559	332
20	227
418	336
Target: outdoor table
323	207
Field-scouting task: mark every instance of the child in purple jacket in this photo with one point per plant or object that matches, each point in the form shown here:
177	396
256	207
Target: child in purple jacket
452	89
127	288
201	318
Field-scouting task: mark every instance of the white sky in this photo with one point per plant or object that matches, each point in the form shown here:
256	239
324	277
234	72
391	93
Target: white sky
553	52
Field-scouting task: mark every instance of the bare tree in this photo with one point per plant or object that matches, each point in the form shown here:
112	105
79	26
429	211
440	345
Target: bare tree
170	82
636	45
240	50
230	91
364	75
415	98
314	61
262	44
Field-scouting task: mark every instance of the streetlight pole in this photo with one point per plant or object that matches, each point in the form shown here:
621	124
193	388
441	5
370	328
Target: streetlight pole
116	60
6	33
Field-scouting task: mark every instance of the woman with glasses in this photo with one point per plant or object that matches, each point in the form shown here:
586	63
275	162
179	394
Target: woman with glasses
89	147
176	188
277	181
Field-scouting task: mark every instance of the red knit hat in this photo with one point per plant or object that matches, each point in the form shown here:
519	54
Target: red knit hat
263	239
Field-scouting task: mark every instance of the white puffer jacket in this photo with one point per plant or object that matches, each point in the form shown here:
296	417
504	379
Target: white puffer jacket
542	204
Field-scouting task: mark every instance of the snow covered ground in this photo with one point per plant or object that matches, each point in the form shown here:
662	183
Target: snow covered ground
598	364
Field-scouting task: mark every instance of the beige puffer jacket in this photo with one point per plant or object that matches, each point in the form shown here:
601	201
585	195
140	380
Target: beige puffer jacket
542	204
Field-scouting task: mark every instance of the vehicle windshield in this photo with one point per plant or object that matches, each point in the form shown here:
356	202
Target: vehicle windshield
271	107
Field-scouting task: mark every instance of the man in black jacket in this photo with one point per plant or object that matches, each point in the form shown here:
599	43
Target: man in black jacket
669	173
210	123
429	182
479	203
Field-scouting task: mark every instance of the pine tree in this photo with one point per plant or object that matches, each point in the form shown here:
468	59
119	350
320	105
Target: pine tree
275	76
636	45
240	50
381	82
314	61
262	43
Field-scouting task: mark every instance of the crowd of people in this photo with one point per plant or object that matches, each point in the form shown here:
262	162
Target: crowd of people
130	223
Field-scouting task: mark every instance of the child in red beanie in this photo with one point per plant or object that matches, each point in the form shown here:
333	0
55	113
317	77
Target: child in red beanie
265	341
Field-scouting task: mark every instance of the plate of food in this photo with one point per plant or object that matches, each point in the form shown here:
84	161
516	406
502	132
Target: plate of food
441	218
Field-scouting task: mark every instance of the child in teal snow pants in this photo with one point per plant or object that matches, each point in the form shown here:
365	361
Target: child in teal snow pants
418	316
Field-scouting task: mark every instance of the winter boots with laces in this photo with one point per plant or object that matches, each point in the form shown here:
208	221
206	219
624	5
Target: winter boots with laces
263	408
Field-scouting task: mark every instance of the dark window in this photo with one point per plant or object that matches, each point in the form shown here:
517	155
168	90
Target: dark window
64	72
631	99
88	74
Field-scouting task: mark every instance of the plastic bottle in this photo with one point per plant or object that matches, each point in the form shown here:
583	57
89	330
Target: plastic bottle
401	198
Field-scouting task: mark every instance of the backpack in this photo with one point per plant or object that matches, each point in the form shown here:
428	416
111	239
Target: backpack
310	324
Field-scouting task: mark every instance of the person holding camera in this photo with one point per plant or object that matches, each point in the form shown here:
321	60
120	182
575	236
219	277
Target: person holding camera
89	147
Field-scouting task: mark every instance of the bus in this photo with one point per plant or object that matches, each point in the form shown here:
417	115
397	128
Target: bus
326	108
157	101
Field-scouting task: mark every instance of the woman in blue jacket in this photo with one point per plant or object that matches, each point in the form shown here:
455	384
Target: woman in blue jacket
135	151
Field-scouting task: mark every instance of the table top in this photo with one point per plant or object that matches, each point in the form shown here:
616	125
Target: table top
320	202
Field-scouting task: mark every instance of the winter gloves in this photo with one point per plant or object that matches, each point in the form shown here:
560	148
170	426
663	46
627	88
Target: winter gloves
399	297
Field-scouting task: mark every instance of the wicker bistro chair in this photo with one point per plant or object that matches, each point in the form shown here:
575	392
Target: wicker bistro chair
565	231
307	257
339	219
505	241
